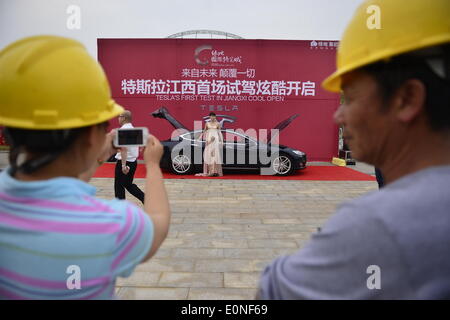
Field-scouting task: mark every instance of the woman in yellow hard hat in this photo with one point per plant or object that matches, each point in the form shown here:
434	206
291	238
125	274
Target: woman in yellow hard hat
392	243
57	240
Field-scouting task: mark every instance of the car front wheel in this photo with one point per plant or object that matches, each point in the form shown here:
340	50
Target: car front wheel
282	165
181	164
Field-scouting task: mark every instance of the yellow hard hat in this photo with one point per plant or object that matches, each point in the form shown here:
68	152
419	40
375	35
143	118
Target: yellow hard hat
51	83
405	25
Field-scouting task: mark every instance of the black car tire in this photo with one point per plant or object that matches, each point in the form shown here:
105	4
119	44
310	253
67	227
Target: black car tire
181	164
285	168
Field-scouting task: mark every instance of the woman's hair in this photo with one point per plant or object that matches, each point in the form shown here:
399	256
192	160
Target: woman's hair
45	145
212	114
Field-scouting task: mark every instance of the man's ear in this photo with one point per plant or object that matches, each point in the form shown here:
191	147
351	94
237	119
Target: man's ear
409	100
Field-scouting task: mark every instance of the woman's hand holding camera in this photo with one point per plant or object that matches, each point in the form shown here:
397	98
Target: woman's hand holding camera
153	151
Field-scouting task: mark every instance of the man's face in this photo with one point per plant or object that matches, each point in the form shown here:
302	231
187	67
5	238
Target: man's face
367	128
121	119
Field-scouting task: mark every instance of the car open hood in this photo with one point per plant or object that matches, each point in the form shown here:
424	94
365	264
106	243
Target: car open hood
163	113
282	125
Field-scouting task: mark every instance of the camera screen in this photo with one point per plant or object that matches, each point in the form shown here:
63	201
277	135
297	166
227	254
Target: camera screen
130	137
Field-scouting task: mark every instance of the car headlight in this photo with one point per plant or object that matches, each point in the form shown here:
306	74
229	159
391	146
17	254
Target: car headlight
298	152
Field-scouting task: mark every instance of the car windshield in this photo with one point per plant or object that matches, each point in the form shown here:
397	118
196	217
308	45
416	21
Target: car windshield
231	137
228	136
195	135
192	135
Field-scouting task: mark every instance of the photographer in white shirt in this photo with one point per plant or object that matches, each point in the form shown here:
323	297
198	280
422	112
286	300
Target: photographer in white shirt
125	170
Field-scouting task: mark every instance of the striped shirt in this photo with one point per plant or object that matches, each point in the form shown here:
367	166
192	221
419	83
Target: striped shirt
57	241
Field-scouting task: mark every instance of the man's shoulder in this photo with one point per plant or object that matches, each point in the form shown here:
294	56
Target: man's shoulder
425	186
413	199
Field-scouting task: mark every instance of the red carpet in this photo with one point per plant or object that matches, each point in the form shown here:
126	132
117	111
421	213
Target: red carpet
317	173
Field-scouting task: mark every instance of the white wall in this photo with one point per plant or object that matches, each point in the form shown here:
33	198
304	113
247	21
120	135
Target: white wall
251	19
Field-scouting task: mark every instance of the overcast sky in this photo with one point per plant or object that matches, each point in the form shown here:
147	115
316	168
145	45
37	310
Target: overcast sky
250	19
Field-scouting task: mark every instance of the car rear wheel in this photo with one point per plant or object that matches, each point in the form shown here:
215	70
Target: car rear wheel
181	164
283	165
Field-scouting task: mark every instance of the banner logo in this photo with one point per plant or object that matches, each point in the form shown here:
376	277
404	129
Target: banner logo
323	45
197	54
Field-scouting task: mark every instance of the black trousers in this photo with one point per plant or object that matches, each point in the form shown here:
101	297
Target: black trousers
125	181
380	178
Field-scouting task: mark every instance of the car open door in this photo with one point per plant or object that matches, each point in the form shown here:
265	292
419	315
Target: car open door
280	126
163	113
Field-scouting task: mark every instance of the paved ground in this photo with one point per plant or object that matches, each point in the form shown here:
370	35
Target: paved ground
223	233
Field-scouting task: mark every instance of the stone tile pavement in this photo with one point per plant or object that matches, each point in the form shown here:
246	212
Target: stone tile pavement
224	232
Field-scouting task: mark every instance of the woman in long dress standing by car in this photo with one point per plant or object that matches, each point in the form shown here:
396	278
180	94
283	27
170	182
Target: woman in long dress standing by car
212	160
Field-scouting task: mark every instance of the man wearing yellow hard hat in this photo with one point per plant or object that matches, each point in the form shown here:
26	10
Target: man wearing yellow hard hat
57	240
392	243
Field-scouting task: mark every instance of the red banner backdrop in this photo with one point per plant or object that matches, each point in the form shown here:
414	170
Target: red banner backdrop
259	82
